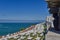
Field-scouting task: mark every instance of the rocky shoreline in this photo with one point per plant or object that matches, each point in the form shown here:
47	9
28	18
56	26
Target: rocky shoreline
38	28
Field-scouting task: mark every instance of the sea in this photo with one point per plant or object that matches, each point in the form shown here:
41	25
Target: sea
12	27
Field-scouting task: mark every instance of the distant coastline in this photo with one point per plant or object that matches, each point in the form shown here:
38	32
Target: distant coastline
21	21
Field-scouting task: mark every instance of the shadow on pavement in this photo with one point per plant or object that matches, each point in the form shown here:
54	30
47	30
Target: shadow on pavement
53	30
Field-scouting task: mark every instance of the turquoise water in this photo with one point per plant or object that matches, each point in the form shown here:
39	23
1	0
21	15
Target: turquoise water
8	28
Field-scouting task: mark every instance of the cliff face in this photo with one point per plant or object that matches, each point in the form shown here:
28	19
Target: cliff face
53	3
54	7
53	0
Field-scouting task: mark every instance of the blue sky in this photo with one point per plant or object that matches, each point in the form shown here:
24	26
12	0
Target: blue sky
23	9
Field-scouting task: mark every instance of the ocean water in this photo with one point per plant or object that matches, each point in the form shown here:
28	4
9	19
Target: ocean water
9	28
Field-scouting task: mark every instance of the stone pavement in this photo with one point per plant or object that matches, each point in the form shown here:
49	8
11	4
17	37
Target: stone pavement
53	35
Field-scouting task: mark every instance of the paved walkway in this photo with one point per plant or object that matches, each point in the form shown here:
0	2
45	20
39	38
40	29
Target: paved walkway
53	35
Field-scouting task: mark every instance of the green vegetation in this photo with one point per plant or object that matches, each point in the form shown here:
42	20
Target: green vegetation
11	39
31	34
45	31
22	29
